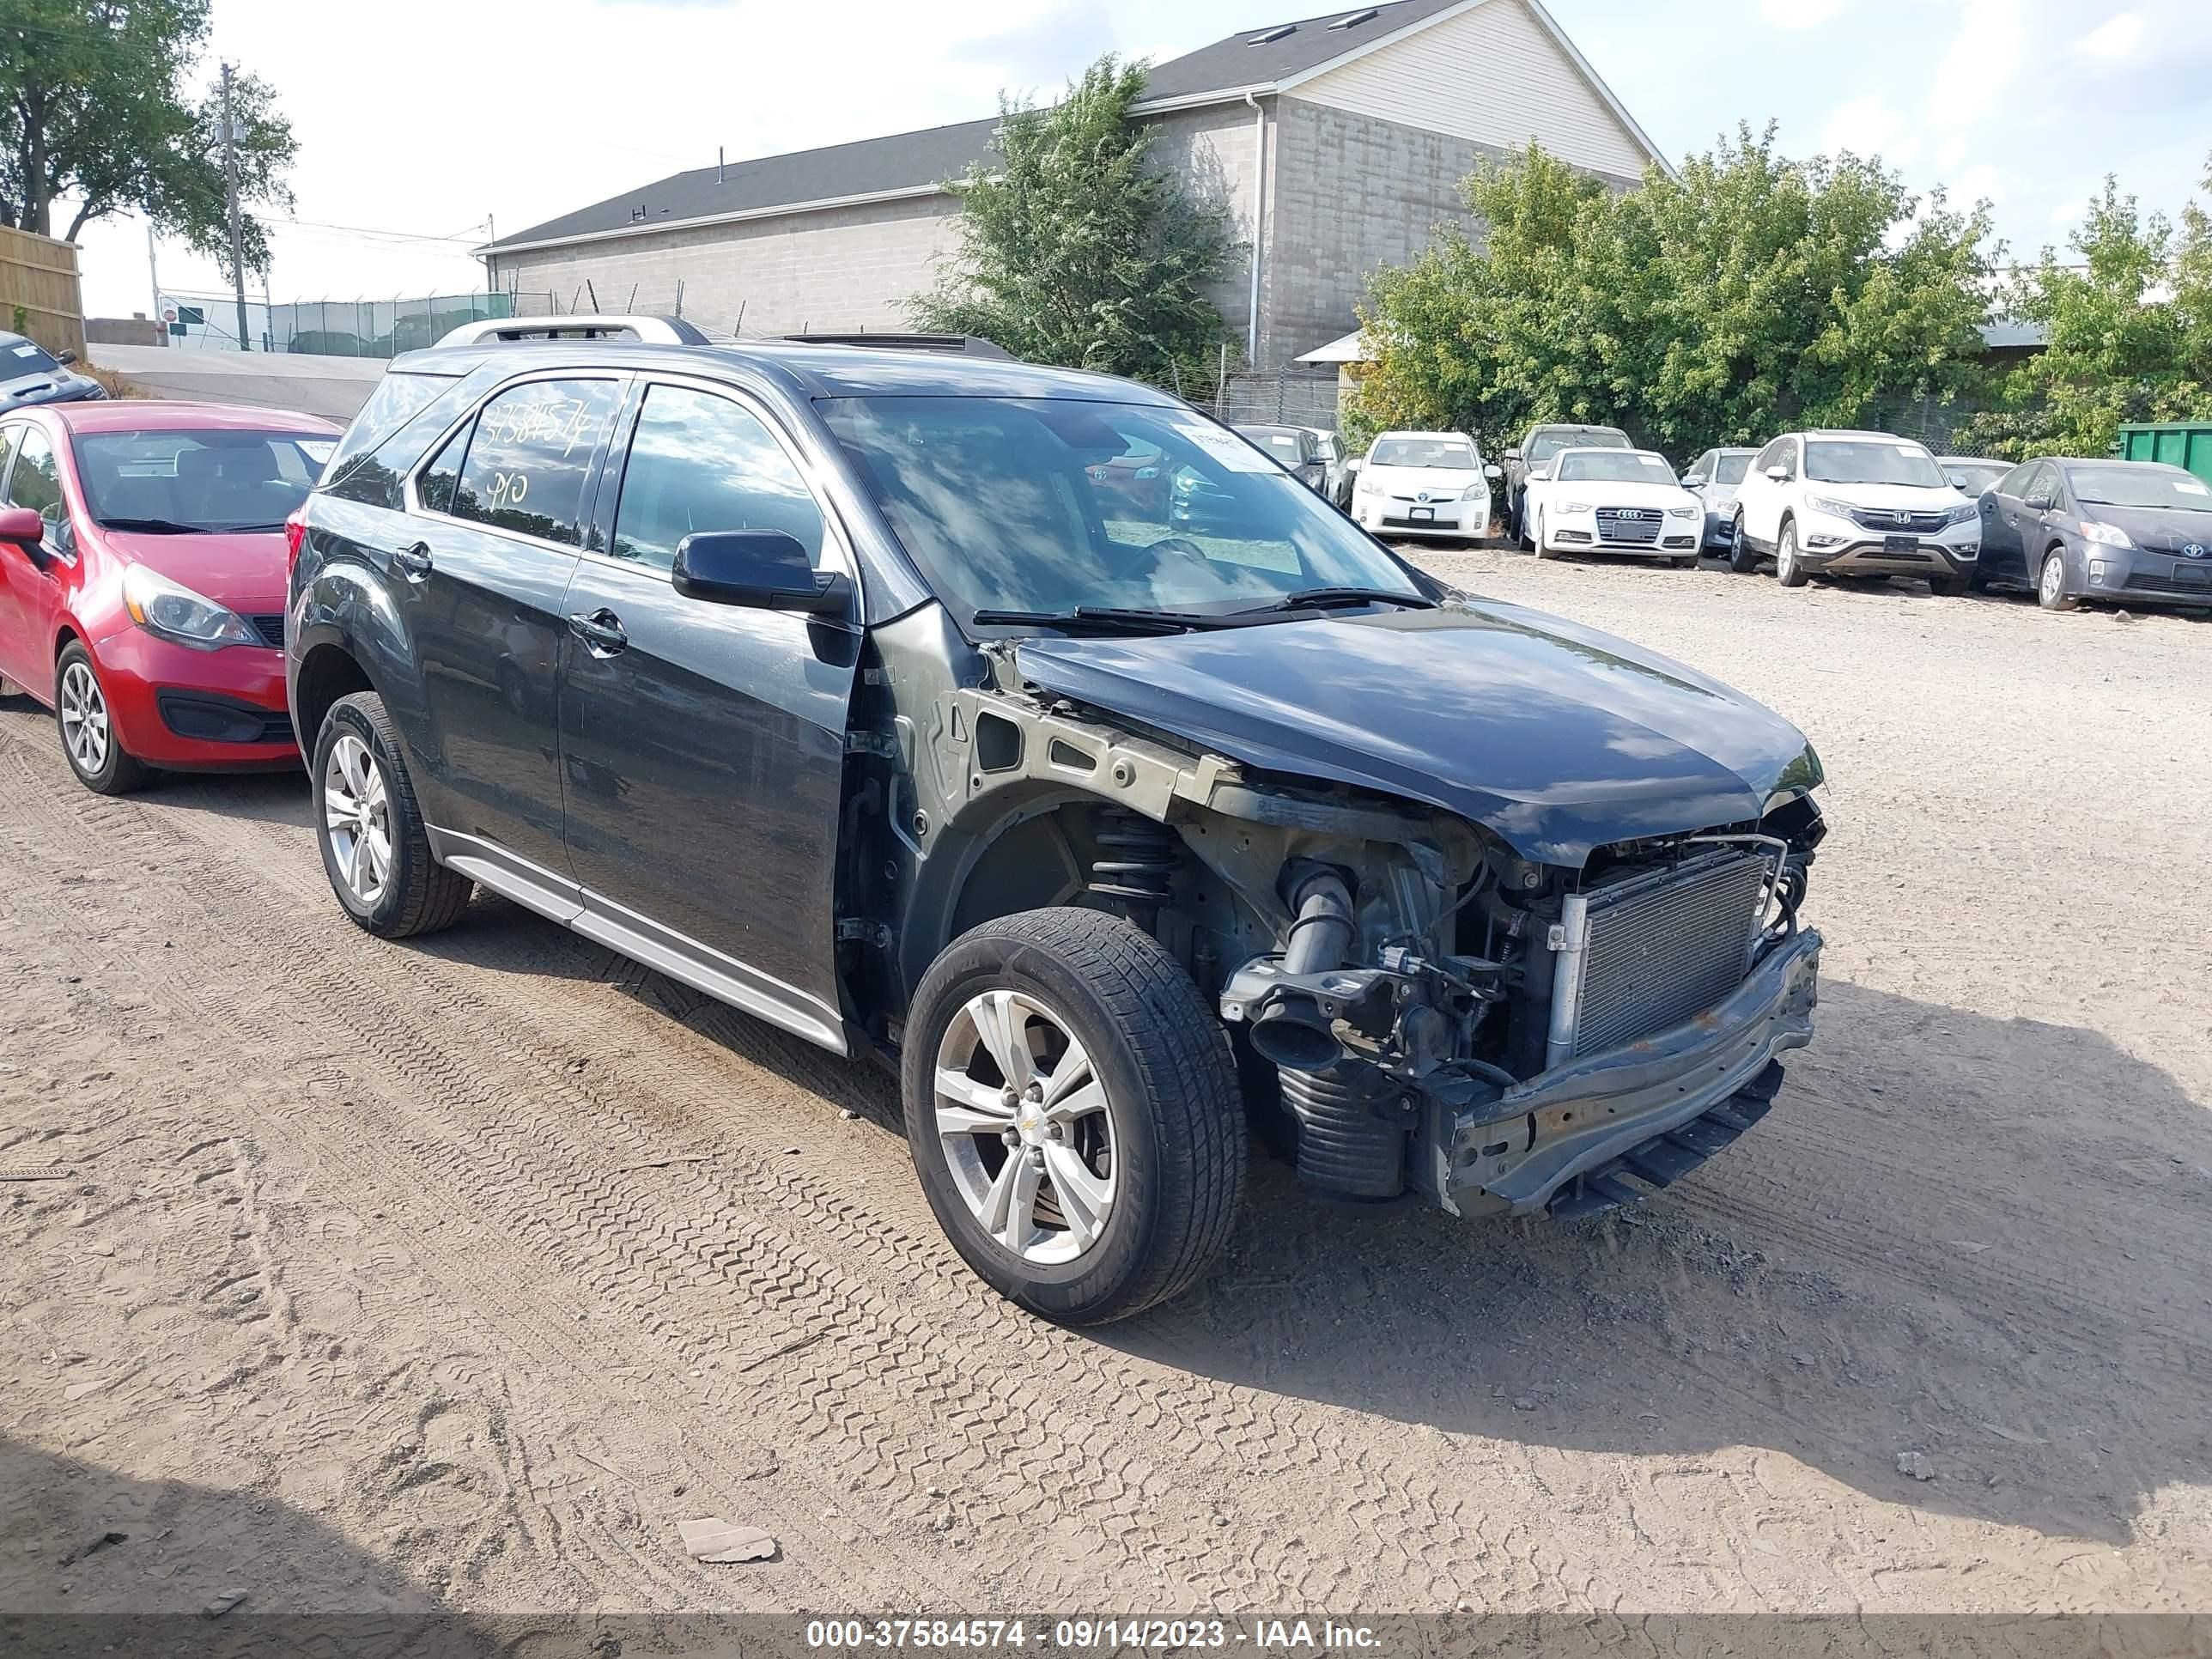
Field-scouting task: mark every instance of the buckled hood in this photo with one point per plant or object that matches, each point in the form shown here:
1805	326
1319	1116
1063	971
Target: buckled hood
1557	737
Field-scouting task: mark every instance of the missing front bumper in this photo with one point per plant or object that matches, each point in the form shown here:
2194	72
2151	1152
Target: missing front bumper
1576	1138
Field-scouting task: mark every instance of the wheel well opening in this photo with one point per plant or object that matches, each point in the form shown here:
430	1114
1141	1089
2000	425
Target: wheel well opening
326	673
68	637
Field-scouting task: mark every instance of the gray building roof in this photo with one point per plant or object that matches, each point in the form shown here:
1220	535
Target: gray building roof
914	161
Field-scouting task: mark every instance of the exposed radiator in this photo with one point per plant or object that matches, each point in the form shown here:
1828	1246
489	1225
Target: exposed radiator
1645	954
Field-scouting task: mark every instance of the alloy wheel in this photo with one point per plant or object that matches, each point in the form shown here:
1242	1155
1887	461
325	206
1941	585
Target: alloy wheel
2054	579
1785	556
84	718
1026	1127
358	816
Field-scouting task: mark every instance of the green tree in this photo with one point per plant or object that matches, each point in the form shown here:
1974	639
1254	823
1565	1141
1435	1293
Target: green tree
95	117
2128	322
1075	250
1748	294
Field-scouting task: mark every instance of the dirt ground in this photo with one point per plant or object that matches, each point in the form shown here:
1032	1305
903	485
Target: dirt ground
458	1273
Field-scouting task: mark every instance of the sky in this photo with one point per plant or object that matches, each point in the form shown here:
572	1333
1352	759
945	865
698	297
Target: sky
421	122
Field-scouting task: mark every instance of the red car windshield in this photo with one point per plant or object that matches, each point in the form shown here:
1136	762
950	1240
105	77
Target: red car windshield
182	483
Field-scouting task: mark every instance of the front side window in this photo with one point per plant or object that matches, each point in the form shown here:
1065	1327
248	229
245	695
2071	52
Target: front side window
9	436
1021	504
1730	468
207	482
1287	446
1614	466
34	481
1872	461
702	462
530	455
1447	454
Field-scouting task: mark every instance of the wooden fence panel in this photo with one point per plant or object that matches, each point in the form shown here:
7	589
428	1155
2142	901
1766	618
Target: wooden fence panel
40	293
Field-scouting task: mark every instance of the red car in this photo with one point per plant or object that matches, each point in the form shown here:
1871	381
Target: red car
142	578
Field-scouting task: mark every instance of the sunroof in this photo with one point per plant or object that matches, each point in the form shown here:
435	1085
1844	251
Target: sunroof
1275	34
1353	19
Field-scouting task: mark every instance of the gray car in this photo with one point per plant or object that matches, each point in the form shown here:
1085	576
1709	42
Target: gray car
852	687
1295	449
29	375
1713	478
2072	530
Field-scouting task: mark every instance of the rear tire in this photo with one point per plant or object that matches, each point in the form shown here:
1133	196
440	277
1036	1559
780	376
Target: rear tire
375	849
1159	1094
1787	570
90	743
1743	558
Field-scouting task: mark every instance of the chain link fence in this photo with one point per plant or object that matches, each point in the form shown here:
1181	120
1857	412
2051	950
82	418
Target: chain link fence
1278	398
336	328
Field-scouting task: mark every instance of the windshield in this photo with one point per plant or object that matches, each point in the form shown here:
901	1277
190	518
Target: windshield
1615	467
1545	445
25	357
1872	461
1451	454
2140	485
1974	476
1285	446
203	481
1730	468
998	500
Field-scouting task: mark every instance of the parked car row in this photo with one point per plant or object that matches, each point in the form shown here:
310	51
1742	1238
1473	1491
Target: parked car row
1025	729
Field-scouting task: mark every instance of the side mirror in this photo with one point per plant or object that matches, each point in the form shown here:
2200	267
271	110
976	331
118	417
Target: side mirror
1779	474
23	527
1539	474
1512	454
65	357
765	569
1491	470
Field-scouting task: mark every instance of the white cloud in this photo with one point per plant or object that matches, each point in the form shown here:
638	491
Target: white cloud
2115	39
1973	82
1799	14
1870	125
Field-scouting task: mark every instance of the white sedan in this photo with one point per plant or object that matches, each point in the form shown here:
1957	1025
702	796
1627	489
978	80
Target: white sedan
1613	501
1424	483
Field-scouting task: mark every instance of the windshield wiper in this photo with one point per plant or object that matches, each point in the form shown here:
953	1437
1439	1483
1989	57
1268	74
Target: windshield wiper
154	526
1104	618
1325	597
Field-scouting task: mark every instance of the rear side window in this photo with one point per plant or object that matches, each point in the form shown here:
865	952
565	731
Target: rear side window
531	454
699	461
398	399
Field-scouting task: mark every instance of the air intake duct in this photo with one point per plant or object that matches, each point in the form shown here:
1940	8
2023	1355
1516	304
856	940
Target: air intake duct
1345	1151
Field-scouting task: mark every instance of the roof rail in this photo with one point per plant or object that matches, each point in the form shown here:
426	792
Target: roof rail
653	331
971	345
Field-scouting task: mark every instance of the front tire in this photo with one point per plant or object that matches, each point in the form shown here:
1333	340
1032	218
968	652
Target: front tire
89	740
1073	1110
2051	585
1787	570
1948	588
1543	550
375	849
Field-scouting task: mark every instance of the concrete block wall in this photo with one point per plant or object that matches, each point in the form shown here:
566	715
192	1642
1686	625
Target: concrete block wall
1211	151
1350	194
841	269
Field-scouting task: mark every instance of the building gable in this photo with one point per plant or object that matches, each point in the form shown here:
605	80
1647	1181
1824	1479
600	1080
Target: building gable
1492	72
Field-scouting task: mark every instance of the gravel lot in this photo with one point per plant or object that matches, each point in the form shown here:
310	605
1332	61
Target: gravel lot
458	1273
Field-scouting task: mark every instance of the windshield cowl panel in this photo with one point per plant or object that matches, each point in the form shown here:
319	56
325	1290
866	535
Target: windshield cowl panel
1040	509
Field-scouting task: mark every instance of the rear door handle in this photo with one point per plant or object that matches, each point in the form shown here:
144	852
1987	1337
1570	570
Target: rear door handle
414	561
602	631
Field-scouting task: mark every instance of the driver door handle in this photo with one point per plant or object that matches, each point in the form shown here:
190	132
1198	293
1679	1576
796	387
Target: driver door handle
601	631
414	563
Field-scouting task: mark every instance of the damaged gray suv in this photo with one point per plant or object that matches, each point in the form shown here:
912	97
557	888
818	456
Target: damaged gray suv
853	687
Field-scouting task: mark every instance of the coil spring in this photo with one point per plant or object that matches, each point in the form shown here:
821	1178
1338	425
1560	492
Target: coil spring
1138	859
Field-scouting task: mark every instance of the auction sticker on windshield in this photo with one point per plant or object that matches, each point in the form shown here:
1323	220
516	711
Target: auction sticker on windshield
1231	451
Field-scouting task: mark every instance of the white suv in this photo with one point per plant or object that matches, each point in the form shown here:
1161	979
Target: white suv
1855	504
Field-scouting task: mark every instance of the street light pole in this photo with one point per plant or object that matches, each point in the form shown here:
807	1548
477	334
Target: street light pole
230	193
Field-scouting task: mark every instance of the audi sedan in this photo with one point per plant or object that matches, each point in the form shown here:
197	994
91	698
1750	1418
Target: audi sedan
141	580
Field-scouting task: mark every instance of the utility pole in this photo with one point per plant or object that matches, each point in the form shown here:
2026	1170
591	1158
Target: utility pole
154	275
230	193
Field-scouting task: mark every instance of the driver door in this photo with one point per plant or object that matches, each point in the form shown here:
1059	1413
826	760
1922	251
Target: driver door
30	587
702	745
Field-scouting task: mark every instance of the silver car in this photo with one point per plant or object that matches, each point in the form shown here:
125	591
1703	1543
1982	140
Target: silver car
1713	478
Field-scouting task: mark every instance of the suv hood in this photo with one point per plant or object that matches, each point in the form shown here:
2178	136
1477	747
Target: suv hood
1557	737
1914	498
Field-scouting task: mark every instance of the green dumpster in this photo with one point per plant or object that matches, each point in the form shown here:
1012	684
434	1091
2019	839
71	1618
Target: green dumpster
2185	444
